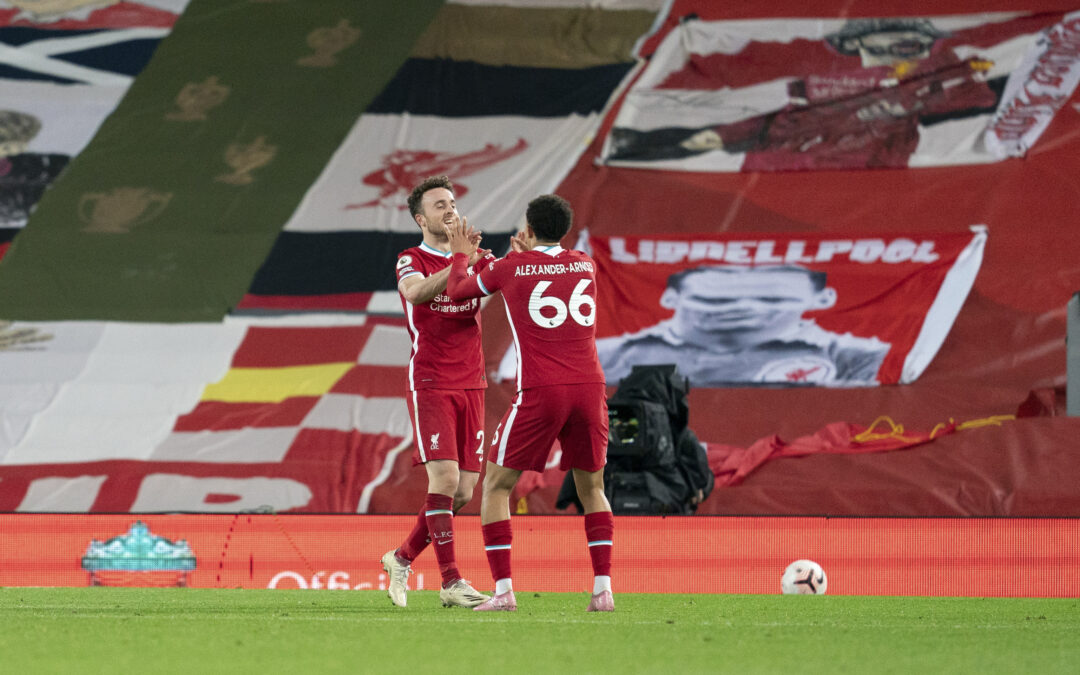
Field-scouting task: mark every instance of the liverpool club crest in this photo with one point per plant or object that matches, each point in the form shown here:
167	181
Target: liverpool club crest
402	169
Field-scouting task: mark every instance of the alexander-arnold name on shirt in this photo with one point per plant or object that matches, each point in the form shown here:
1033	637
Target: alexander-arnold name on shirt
553	268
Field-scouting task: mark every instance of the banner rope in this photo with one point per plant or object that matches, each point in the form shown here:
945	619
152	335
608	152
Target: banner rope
896	431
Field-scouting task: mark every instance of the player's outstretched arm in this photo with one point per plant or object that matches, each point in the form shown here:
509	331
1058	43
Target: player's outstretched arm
461	285
418	289
463	245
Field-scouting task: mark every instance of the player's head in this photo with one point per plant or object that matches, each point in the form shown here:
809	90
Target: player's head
550	217
432	205
886	42
761	300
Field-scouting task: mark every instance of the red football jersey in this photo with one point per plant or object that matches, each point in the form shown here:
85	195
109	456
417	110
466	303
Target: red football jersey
550	296
446	349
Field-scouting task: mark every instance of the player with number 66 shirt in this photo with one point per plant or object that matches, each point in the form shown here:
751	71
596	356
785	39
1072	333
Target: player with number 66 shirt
550	298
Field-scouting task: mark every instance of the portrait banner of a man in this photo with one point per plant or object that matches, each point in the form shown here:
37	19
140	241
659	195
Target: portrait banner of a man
808	94
785	309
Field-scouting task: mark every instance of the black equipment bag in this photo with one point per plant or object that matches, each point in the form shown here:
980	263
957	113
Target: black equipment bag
656	465
639	434
643	493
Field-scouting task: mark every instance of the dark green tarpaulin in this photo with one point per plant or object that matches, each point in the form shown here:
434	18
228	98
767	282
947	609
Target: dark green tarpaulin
171	208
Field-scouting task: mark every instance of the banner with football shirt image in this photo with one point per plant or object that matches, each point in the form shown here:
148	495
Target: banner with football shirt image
784	309
805	94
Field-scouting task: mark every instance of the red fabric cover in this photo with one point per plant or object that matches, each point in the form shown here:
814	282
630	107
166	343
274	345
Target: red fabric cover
731	465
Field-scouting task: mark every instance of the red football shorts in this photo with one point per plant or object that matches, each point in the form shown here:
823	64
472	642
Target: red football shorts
575	414
448	424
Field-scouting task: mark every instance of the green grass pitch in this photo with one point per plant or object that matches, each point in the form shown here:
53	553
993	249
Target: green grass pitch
121	630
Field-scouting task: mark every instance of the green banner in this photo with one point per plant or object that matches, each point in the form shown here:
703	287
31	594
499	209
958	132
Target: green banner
171	208
534	37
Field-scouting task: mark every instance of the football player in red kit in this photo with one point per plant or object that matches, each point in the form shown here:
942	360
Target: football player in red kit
550	297
446	392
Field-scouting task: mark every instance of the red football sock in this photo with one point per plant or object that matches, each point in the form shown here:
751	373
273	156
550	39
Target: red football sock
497	538
599	530
438	510
417	540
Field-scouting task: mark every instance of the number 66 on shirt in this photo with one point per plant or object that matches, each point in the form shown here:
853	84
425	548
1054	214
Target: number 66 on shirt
550	297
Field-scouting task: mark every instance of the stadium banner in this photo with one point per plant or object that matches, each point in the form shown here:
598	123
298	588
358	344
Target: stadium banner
829	93
504	123
794	309
652	5
89	391
60	119
587	32
42	127
65	43
862	556
63	68
248	413
6	235
347	270
142	238
90	14
493	161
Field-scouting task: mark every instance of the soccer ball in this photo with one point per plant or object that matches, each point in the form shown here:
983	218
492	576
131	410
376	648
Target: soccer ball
804	577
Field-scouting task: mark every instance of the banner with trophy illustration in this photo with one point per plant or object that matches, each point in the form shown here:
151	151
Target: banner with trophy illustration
504	124
169	211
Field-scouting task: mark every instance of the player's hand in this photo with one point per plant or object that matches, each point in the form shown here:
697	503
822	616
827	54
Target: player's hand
478	254
457	233
522	242
474	234
474	238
